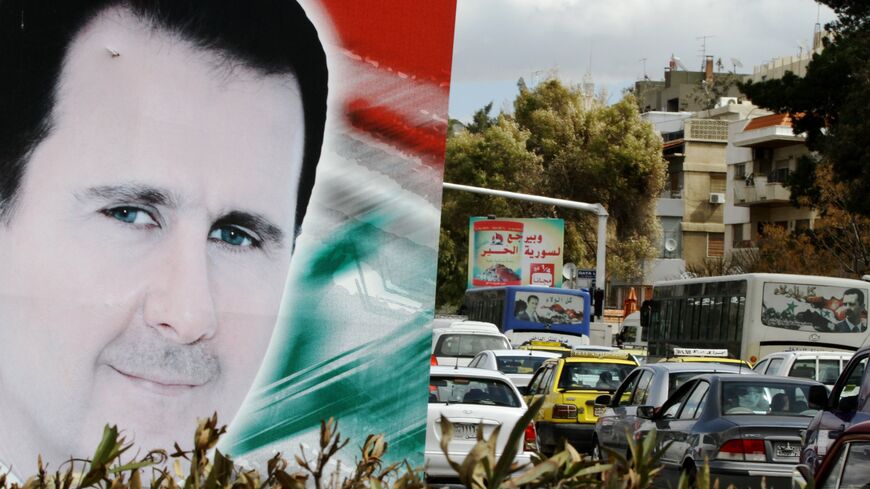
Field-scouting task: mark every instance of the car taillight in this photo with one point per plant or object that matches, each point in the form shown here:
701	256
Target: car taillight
530	439
564	411
740	449
433	360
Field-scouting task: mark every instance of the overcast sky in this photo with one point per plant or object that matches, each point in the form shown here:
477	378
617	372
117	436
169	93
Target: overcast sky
499	41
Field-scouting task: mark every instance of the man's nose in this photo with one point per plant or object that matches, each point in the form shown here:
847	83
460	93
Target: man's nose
179	302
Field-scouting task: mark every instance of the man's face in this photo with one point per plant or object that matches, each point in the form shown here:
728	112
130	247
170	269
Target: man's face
533	304
853	308
144	263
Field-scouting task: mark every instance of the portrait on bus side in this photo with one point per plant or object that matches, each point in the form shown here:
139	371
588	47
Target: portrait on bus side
201	211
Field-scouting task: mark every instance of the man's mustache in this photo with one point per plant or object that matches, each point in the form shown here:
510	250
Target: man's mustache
145	353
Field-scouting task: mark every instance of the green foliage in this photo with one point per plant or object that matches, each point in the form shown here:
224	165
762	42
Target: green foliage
107	470
564	144
707	95
831	105
208	468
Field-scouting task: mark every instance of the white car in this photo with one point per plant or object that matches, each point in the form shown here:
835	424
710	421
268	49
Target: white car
456	344
818	365
469	397
517	365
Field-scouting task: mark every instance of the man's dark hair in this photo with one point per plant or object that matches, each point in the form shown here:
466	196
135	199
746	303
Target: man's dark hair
534	297
857	292
271	37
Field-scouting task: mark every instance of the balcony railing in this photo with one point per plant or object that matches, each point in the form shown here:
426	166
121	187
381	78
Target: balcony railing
760	190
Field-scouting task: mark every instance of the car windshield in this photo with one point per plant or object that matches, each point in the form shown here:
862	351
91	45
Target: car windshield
520	364
589	375
766	398
465	390
468	345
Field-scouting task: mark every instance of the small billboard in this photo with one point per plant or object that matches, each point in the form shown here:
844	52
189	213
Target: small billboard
509	251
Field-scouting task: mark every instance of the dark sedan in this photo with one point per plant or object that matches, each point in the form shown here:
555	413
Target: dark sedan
748	427
650	384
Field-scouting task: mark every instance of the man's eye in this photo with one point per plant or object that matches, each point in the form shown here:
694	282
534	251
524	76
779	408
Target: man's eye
234	236
130	215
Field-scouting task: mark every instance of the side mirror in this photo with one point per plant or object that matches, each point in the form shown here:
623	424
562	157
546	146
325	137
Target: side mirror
818	396
646	412
800	476
602	400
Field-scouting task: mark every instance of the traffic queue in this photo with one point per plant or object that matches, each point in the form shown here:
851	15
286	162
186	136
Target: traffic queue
770	425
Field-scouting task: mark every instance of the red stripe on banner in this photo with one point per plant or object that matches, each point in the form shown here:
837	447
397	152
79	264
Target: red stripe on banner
411	36
384	123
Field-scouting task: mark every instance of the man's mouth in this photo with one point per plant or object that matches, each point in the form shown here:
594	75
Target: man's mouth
157	383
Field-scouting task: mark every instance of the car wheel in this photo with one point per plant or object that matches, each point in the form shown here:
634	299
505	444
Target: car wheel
690	472
596	451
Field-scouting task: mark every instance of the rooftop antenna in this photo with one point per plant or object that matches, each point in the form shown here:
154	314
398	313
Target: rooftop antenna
643	60
735	63
703	40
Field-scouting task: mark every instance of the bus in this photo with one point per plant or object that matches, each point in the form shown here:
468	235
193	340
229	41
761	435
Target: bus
532	312
752	315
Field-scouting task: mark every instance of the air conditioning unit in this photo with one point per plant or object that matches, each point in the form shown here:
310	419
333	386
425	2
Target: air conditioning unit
717	198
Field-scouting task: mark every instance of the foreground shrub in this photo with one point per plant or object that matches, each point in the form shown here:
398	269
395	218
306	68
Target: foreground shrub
208	468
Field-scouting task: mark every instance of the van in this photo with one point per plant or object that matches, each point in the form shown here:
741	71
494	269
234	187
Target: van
457	343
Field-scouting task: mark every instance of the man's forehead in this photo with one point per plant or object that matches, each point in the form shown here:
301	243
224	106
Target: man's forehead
117	34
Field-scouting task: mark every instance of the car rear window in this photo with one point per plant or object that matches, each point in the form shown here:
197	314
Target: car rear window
766	398
519	364
465	390
468	345
598	376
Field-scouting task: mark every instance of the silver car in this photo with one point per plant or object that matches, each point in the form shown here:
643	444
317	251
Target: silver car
517	365
650	385
748	427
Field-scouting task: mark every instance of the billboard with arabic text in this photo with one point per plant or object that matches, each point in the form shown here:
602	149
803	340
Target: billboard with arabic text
508	251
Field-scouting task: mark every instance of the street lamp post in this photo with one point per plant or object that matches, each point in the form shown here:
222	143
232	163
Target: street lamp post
597	209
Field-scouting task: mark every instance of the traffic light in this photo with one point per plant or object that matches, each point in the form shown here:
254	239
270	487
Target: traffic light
598	303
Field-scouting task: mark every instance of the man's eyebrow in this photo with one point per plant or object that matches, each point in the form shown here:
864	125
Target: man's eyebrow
131	192
265	229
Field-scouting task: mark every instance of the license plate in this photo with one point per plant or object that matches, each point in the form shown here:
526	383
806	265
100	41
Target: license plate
464	431
786	450
598	410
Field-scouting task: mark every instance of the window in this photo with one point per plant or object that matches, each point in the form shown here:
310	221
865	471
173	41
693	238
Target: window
490	392
715	244
847	398
737	234
717	183
804	368
642	393
773	368
801	224
740	171
761	366
671	408
693	403
626	389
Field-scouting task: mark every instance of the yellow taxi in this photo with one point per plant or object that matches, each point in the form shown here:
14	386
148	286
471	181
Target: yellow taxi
705	355
570	386
550	346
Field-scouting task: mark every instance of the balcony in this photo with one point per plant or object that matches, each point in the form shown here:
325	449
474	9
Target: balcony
761	190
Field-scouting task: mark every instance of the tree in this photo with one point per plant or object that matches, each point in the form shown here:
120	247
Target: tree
831	106
495	157
708	95
564	144
838	245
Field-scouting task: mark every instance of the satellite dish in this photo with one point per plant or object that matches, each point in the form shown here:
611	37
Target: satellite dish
670	244
569	271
